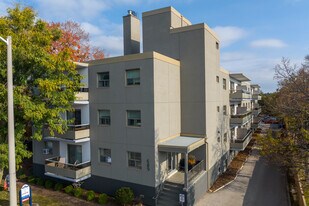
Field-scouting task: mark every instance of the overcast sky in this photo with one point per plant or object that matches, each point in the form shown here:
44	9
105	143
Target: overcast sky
254	34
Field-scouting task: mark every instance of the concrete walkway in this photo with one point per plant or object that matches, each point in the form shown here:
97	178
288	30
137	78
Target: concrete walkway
258	184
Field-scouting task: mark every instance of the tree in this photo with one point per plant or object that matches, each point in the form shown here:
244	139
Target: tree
290	147
44	82
76	40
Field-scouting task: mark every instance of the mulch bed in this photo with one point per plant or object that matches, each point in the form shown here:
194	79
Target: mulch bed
232	170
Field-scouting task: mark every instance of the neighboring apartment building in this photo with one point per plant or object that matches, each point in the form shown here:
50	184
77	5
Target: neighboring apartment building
153	112
67	156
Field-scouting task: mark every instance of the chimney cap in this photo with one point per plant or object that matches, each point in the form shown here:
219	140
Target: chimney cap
131	12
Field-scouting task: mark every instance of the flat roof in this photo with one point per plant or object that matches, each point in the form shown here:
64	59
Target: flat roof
240	77
255	85
134	57
164	10
181	144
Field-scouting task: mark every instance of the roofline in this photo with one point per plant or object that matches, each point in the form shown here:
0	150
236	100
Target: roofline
164	10
134	57
245	79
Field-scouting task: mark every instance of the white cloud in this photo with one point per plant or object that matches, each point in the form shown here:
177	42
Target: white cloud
71	9
259	69
112	45
268	43
229	34
91	29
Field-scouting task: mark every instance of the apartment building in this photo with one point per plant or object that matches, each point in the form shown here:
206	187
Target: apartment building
165	122
67	156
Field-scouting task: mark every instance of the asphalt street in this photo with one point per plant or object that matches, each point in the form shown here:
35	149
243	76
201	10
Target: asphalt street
258	184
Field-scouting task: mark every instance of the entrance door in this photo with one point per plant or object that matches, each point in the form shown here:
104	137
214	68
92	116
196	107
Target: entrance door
171	161
74	154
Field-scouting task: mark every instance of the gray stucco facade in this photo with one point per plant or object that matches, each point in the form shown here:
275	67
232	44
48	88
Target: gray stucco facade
152	113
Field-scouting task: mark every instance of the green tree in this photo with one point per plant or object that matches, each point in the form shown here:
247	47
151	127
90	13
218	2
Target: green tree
44	82
290	147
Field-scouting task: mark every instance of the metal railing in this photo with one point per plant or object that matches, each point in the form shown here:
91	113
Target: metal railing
55	162
196	169
244	138
78	127
83	89
160	188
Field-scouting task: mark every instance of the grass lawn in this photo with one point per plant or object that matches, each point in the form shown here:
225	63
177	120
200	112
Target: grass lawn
36	198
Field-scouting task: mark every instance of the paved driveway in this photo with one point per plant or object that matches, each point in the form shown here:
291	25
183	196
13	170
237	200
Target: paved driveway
258	184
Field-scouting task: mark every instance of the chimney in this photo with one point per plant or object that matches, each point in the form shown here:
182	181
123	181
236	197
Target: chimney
131	33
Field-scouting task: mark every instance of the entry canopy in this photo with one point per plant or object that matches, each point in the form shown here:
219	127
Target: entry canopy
181	144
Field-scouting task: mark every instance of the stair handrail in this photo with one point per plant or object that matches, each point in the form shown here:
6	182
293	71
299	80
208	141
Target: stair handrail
161	187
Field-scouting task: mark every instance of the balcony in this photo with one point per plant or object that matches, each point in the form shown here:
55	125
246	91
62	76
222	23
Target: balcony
241	117
239	94
74	132
242	140
256	97
256	111
82	94
256	122
54	167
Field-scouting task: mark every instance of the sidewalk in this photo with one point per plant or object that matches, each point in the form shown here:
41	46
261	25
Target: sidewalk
258	184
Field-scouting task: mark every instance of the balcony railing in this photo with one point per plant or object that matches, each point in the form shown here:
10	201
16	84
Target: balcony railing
239	119
242	142
71	171
239	95
196	169
82	94
74	132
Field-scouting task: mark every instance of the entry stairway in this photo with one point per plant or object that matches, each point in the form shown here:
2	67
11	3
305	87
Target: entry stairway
169	196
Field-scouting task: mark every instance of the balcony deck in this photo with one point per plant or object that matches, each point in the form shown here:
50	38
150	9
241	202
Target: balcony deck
69	172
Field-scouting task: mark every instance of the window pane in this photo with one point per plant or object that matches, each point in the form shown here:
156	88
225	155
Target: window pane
132	74
134	114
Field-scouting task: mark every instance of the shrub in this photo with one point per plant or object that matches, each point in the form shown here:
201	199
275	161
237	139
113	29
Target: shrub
78	192
58	186
90	195
49	184
69	189
40	182
103	198
31	180
124	195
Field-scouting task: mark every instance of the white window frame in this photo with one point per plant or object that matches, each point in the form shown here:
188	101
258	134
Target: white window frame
135	81
105	156
108	120
105	82
137	122
133	160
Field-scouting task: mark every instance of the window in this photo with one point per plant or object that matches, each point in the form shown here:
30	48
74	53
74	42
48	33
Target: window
75	154
224	83
134	118
135	160
49	146
105	155
217	45
218	109
133	77
104	117
218	79
224	110
103	79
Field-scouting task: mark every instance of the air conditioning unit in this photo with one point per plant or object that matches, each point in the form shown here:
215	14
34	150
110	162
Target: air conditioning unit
46	151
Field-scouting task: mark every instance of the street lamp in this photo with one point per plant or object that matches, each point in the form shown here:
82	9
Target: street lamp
11	135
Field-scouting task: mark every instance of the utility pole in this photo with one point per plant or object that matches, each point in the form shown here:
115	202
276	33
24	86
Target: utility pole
11	131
